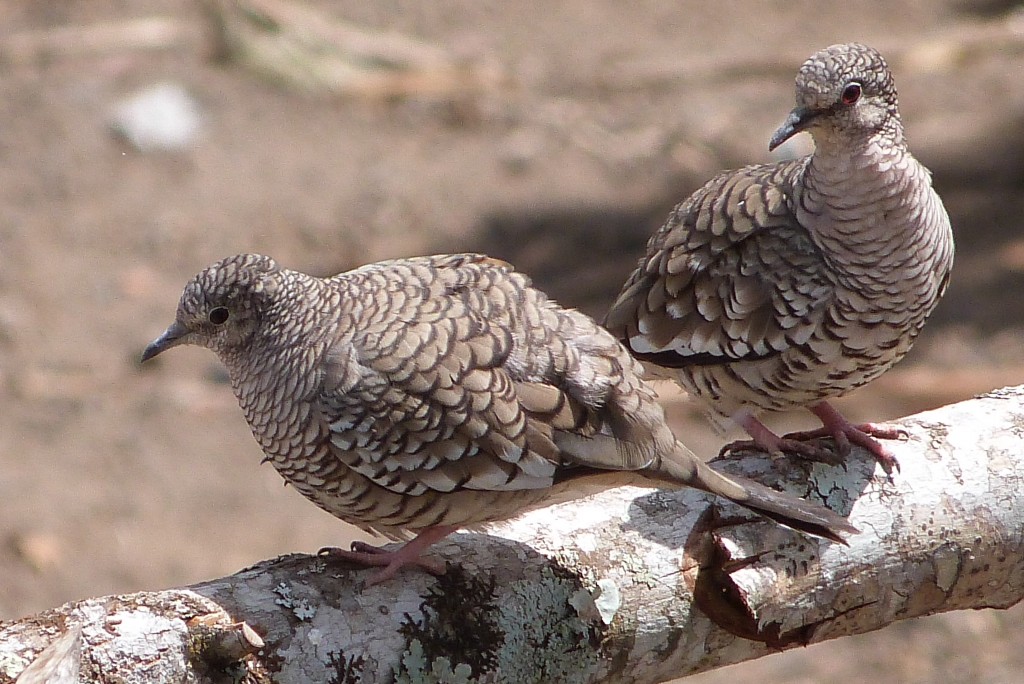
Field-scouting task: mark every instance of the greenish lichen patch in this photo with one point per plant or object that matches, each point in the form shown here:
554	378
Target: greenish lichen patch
468	631
417	668
302	609
545	639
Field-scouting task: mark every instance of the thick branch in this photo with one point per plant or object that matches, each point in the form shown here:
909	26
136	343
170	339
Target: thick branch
616	587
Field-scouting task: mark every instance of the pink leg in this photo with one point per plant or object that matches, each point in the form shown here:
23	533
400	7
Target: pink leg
844	433
393	561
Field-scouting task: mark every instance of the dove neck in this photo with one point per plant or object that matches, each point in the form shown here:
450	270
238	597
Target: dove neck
292	330
869	202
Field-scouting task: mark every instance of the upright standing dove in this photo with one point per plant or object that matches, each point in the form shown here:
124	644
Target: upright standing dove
421	395
786	285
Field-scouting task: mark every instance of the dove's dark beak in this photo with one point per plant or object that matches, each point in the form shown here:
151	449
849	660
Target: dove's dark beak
172	337
798	120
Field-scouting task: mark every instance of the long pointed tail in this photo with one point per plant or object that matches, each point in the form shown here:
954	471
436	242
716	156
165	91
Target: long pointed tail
788	510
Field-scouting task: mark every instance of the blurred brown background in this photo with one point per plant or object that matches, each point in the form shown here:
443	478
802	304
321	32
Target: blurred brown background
558	142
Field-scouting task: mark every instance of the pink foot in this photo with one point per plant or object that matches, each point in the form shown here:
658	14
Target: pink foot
846	433
367	555
834	425
763	439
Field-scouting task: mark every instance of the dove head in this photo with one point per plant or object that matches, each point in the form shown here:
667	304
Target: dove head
222	306
842	92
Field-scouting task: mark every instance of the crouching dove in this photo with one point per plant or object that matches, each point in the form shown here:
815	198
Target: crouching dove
418	396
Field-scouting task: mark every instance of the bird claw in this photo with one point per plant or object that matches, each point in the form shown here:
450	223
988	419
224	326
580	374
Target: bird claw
786	445
367	555
869	429
864	435
390	562
363	547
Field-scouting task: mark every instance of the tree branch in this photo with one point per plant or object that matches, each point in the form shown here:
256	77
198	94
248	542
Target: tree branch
627	585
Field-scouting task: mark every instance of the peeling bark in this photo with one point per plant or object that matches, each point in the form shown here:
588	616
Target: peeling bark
630	585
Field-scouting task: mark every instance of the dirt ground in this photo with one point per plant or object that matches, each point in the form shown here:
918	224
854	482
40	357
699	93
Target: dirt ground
116	477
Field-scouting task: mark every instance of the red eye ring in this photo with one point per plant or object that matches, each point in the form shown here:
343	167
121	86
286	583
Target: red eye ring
851	93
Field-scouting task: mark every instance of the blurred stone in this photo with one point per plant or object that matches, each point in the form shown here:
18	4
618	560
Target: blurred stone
39	550
1011	256
161	118
520	150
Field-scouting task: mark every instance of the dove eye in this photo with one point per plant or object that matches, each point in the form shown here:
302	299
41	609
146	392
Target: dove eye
219	315
851	93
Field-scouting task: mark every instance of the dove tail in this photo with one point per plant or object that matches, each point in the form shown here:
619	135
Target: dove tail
787	510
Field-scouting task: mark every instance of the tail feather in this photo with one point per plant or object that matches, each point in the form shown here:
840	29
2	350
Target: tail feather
683	467
787	510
